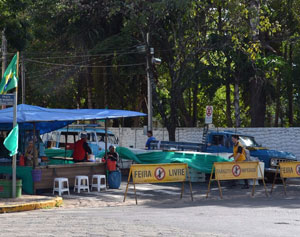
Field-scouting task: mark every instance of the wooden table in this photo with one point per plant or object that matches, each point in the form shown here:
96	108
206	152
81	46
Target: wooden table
67	171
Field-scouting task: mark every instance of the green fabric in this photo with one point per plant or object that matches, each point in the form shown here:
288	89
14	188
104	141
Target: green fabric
199	161
11	142
10	76
59	162
58	152
23	173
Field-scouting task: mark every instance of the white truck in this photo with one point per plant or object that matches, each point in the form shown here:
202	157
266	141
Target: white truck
66	138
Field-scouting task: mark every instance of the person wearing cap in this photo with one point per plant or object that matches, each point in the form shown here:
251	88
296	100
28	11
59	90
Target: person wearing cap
81	149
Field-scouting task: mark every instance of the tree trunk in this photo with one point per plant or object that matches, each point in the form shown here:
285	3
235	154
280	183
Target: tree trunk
237	104
277	110
228	105
171	126
258	102
290	91
89	87
195	107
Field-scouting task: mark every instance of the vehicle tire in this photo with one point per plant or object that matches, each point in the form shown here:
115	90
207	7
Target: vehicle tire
269	178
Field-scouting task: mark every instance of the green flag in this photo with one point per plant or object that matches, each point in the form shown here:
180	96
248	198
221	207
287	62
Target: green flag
11	142
10	77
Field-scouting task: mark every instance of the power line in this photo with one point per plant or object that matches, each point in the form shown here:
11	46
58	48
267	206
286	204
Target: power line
87	66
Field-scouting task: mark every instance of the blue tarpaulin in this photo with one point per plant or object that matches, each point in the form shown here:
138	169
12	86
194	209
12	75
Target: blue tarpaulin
47	120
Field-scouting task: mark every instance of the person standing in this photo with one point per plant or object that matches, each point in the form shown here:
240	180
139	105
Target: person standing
112	159
150	138
30	152
81	149
239	154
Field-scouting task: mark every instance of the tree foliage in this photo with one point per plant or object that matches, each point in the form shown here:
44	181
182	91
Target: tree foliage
242	57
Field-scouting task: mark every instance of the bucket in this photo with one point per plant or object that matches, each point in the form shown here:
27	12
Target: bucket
36	175
92	157
114	179
6	188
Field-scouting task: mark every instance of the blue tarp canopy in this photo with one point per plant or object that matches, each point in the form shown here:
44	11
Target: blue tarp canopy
47	120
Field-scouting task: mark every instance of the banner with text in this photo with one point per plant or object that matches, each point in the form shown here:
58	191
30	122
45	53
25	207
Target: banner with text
289	169
158	173
236	170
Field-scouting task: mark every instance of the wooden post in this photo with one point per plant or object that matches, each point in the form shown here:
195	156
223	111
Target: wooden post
191	190
275	176
210	179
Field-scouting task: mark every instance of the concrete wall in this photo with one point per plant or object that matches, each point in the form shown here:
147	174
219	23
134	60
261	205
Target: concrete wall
286	139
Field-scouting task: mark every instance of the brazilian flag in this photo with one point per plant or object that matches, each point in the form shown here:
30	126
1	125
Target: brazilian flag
10	77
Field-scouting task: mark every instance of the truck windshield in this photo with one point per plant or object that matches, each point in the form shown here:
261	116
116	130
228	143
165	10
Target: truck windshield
248	141
110	138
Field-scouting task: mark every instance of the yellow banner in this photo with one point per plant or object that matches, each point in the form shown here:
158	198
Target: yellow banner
289	169
236	170
158	173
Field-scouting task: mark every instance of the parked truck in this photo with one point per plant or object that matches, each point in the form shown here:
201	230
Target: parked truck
65	138
220	142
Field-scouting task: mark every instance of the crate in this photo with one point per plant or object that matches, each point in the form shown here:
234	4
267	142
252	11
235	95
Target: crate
196	176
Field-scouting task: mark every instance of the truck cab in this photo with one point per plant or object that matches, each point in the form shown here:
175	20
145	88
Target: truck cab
65	138
217	142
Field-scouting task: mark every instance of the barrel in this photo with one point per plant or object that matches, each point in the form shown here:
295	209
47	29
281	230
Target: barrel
114	179
6	188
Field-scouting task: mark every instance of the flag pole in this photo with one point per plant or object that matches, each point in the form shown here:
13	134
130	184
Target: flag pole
14	159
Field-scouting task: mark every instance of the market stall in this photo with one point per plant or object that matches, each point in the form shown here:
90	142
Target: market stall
41	120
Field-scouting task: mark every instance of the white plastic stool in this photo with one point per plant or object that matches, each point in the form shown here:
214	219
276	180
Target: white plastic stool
81	183
61	185
98	184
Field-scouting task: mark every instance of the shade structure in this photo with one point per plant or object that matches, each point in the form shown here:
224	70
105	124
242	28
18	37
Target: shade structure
47	120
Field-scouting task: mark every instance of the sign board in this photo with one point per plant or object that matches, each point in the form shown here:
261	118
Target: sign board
158	173
287	170
234	171
208	114
7	99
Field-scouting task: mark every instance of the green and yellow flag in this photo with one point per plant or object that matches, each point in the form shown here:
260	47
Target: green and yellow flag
11	141
10	77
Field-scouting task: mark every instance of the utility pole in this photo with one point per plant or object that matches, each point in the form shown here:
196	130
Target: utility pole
23	76
4	56
149	87
4	52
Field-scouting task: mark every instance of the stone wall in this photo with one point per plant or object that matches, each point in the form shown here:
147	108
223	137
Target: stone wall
286	139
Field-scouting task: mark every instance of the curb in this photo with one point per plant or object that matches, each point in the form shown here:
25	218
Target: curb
56	202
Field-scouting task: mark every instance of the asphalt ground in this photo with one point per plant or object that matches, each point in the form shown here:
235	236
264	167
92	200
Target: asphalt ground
161	212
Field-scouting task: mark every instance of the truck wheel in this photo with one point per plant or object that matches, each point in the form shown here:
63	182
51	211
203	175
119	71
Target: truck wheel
269	178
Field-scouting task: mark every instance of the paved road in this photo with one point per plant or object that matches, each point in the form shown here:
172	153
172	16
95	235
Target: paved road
161	213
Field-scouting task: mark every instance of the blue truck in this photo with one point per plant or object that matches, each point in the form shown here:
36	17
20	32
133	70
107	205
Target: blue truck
220	142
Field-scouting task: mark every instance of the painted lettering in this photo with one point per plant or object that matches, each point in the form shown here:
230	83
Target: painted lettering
287	170
142	174
176	172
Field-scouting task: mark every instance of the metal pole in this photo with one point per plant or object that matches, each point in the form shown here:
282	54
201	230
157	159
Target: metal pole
4	55
105	137
149	87
23	77
4	52
14	158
